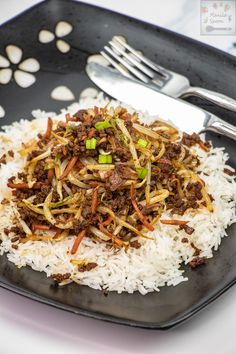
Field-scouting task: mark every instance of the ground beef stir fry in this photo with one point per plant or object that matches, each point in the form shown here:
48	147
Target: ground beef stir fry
102	174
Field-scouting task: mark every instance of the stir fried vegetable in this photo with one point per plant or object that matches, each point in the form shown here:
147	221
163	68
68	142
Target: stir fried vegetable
108	177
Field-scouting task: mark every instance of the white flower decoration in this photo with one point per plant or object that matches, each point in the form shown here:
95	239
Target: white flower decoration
62	29
21	71
2	112
62	93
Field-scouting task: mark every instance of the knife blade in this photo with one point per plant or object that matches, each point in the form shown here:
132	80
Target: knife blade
183	115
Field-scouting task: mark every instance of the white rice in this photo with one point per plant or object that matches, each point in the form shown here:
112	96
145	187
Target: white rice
157	262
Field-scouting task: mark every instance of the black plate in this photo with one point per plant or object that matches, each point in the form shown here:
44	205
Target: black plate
205	67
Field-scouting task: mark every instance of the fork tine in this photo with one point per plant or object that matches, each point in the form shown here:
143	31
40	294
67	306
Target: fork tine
117	66
134	71
132	60
145	60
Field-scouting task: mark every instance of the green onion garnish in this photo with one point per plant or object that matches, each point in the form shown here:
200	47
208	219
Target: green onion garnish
142	143
104	159
91	144
142	172
102	125
69	128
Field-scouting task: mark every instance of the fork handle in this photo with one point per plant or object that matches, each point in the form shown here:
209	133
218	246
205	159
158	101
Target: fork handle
217	98
221	127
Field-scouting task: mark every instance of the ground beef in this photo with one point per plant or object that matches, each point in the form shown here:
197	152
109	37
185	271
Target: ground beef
21	194
29	216
16	230
196	250
43	193
189	230
34	154
229	172
119	176
135	244
40	174
197	261
61	277
22	176
87	267
3	159
11	153
193	139
184	240
172	151
80	115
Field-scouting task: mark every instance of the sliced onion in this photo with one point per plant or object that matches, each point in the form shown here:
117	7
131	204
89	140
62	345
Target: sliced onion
147	131
99	233
33	207
76	181
47	211
101	167
42	156
126	133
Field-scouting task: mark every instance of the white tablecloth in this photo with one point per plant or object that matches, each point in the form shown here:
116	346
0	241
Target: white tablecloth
32	328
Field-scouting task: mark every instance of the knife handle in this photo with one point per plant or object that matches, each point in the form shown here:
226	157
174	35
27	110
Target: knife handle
215	97
219	126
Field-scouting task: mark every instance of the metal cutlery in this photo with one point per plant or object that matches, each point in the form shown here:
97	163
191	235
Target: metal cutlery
131	64
183	115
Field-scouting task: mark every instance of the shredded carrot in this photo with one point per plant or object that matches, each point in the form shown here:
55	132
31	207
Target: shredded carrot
107	221
115	239
203	146
50	174
138	211
91	133
69	167
40	227
165	161
174	222
57	233
69	118
23	185
94	201
49	128
77	241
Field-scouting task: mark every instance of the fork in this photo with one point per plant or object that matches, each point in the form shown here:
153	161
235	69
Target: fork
133	65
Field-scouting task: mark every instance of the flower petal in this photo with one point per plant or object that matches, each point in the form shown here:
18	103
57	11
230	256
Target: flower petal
45	36
63	28
99	59
4	63
14	53
62	93
31	65
2	112
89	92
24	79
62	46
5	76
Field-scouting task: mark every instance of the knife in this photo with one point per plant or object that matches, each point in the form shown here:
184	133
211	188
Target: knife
183	115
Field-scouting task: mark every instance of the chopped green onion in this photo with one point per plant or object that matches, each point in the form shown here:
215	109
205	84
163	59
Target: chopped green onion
57	158
91	144
102	125
142	143
142	172
104	159
69	128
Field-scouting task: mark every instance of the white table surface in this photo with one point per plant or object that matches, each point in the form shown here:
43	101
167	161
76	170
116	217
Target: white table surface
31	328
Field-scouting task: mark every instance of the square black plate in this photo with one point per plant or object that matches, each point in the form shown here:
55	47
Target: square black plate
205	66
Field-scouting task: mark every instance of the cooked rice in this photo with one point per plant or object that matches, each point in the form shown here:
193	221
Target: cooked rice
158	262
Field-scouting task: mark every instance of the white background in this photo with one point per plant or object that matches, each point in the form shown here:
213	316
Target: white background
32	328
